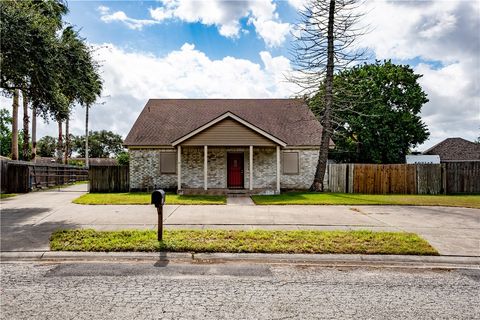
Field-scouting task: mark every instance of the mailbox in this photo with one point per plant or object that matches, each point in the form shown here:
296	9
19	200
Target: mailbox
158	198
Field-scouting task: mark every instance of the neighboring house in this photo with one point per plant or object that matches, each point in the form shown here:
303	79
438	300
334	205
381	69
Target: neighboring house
217	145
455	149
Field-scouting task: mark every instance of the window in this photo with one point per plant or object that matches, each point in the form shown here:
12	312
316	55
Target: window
168	162
290	163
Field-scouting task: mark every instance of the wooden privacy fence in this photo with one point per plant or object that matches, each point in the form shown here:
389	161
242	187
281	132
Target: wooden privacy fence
462	177
109	179
452	177
22	176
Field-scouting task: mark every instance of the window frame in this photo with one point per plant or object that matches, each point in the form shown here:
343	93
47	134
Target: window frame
284	161
162	160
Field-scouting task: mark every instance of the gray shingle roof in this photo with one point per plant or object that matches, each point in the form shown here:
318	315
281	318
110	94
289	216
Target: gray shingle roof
456	149
163	121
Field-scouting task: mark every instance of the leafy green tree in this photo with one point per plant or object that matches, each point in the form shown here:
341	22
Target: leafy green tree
29	56
383	122
5	133
51	65
103	144
81	81
47	146
123	158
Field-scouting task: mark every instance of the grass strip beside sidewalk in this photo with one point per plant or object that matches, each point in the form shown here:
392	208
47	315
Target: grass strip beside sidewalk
307	198
7	195
144	198
234	241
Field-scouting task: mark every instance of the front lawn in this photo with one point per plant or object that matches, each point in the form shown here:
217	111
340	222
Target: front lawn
7	195
144	198
469	201
253	241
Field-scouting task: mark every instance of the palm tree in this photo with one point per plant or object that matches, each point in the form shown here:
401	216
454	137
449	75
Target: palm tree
15	125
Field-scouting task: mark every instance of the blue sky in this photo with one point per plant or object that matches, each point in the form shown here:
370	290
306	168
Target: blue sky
161	39
240	49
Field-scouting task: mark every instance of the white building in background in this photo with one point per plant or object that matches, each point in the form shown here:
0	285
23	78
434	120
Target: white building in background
422	159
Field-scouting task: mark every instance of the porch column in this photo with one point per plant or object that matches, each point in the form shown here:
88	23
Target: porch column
179	167
250	164
278	169
205	167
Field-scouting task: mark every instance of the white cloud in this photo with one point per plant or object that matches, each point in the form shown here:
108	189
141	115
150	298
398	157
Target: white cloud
103	9
298	4
225	15
134	24
442	32
273	33
131	78
454	106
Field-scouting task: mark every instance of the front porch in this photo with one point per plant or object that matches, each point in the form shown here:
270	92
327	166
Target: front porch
228	170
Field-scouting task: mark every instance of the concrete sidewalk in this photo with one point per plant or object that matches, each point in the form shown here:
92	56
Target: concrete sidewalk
28	220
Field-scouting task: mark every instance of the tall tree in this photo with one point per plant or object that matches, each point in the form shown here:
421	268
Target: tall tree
82	82
28	59
324	42
26	138
34	133
60	141
15	126
384	122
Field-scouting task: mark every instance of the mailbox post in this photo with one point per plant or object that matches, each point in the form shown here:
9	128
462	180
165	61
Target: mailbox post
158	199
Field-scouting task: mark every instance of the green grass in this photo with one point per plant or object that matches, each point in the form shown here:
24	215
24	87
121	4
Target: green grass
253	241
469	201
7	195
144	198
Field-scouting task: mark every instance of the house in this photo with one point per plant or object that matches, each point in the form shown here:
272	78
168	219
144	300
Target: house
455	149
218	145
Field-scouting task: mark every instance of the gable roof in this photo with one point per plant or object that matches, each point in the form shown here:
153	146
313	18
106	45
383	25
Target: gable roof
456	149
164	121
234	117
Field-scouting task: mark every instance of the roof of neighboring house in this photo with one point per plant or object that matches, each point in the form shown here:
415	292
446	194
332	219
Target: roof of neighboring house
456	149
164	121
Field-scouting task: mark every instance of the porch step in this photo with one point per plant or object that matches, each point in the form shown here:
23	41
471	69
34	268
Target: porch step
227	192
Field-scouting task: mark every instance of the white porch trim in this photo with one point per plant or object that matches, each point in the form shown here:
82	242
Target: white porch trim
278	169
179	168
250	171
205	167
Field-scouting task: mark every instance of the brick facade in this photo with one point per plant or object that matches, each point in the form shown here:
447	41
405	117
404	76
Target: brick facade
145	168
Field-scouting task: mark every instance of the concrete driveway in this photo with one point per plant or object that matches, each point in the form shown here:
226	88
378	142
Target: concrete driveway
28	220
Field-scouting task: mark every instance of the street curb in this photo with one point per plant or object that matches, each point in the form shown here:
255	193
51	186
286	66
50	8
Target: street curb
188	257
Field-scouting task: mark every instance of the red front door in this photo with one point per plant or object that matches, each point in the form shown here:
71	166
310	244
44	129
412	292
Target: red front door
235	170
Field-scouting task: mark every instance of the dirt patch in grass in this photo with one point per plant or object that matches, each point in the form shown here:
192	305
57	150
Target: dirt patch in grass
253	241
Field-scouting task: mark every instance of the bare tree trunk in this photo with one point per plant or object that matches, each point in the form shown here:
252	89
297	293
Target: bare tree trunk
34	133
15	126
60	142
317	184
86	136
67	140
26	139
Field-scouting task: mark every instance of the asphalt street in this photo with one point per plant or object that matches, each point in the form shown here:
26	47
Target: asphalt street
159	290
